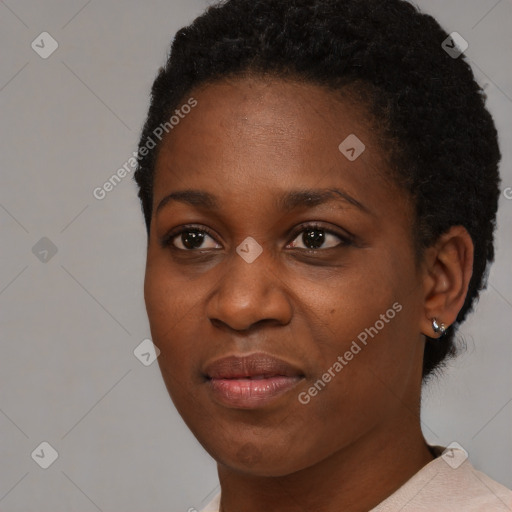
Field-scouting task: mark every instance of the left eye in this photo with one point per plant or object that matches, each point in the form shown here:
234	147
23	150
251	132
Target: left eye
314	238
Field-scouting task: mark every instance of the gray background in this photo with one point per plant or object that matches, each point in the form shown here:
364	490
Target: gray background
69	325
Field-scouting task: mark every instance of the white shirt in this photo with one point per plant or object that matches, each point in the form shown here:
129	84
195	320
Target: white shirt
449	483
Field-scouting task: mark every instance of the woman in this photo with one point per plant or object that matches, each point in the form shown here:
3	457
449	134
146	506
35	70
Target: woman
319	180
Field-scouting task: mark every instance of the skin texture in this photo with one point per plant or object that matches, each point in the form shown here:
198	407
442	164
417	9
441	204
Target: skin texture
248	142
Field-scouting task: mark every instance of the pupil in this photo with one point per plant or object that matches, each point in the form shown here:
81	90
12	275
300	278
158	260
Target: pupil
192	239
314	237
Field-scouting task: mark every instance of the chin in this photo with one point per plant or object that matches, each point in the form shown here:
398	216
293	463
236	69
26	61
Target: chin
259	459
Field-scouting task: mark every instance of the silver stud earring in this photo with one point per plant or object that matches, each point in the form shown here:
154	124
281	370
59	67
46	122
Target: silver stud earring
438	328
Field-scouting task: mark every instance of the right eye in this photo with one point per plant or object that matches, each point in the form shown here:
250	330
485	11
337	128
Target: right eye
189	239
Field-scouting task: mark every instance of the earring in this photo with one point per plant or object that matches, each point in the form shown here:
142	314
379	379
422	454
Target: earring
438	328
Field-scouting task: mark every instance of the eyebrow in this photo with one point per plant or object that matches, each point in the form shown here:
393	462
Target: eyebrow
303	198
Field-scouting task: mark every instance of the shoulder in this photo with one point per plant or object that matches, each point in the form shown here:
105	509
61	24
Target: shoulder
449	483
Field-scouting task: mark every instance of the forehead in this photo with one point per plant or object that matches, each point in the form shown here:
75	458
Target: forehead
265	134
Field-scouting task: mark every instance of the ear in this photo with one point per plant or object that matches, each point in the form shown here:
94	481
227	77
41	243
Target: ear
448	267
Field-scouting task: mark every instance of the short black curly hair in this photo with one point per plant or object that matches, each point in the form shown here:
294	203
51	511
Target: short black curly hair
428	106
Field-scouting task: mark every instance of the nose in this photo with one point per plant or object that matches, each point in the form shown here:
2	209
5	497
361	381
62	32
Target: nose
249	293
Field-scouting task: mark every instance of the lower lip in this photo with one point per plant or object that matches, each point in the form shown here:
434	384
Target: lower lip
250	393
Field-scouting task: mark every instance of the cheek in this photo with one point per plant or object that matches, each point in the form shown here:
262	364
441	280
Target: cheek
372	384
172	312
365	318
172	315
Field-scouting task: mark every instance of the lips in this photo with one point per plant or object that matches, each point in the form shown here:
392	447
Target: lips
252	381
258	365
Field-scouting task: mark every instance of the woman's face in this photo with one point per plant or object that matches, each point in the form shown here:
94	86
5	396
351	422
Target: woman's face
293	248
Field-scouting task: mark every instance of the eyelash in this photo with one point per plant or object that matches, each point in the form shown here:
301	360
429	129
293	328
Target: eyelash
345	240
